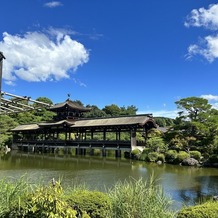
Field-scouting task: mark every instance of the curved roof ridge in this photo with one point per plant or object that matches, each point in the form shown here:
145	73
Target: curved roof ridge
71	104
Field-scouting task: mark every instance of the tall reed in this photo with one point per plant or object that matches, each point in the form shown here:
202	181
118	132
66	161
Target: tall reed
139	199
11	194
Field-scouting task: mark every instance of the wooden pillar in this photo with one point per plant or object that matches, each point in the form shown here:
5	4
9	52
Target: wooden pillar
44	135
91	152
104	135
103	152
118	153
78	151
92	134
118	134
84	151
85	135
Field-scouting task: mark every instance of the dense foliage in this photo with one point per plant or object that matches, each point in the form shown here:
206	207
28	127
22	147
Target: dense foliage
208	209
138	198
6	123
96	204
129	199
192	135
195	128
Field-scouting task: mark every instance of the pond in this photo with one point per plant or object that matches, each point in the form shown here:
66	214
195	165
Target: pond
185	185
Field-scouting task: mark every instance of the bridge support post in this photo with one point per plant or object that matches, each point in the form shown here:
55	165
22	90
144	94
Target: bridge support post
118	153
77	151
91	152
103	152
84	151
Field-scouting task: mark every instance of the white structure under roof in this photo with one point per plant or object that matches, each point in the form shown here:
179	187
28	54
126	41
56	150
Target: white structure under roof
11	103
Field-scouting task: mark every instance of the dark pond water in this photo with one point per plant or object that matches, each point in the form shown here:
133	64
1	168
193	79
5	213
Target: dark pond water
185	185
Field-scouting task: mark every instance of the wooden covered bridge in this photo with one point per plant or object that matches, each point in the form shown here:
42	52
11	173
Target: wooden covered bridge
69	130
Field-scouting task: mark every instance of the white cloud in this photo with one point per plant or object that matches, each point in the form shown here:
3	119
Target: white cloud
162	113
10	83
215	105
76	81
208	48
210	97
207	18
38	56
53	4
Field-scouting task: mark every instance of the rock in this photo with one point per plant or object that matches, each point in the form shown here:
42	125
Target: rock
190	162
159	162
215	198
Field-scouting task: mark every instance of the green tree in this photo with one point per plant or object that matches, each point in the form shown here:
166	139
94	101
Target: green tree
156	144
44	100
196	125
6	123
129	110
112	110
26	117
95	112
163	121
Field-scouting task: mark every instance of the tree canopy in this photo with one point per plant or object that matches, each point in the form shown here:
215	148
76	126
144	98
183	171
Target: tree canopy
195	126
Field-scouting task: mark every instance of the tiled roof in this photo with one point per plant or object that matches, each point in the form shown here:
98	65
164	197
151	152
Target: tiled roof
101	122
70	104
116	121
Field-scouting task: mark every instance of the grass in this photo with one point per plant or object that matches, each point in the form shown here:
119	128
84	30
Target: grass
129	199
11	193
140	199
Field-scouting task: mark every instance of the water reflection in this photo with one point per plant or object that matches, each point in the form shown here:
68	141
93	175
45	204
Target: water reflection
186	185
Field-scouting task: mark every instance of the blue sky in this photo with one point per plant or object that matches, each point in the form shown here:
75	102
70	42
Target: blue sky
143	53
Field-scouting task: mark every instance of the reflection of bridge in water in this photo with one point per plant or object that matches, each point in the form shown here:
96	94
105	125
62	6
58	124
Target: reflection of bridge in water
69	159
83	147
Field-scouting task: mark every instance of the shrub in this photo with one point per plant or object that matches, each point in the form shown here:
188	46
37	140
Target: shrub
213	158
135	153
157	144
182	155
143	157
49	202
206	210
152	157
40	202
146	151
161	157
195	154
11	195
96	204
139	199
171	155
